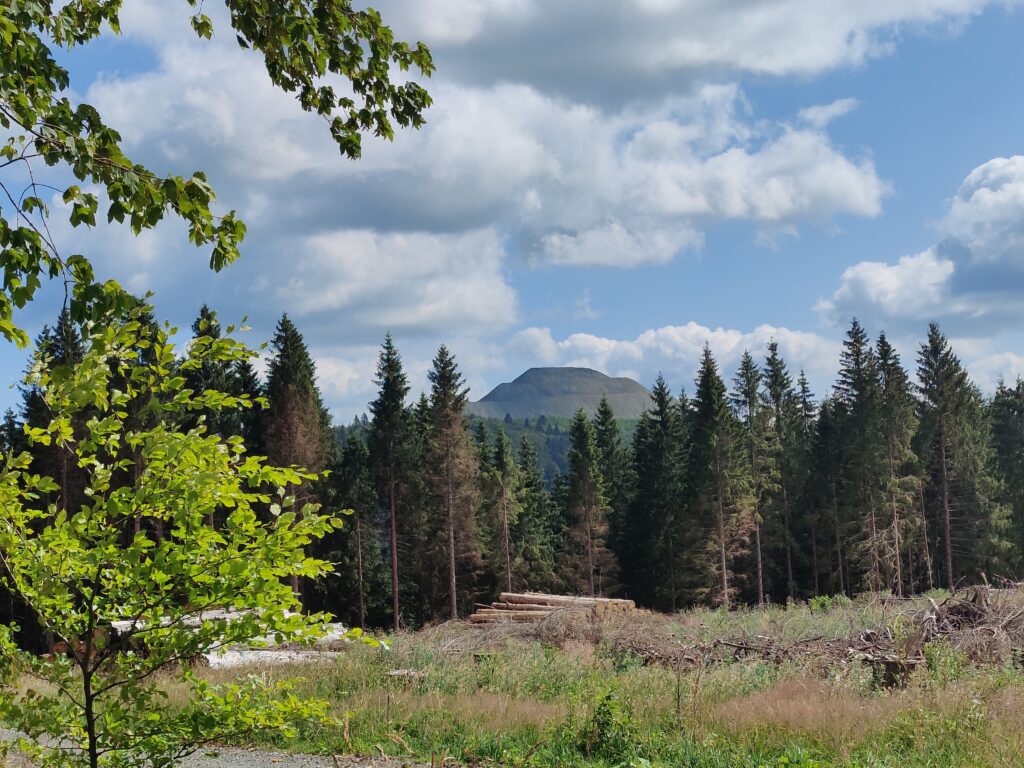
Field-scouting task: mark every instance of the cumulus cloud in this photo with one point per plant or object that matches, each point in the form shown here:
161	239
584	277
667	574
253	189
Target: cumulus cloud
620	47
414	283
675	350
973	278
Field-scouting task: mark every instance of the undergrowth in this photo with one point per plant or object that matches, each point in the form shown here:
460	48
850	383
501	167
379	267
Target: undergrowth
524	703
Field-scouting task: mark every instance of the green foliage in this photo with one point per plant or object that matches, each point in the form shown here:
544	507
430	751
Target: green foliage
123	601
610	732
305	47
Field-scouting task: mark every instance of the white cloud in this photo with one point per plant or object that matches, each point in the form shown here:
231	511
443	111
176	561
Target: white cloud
676	350
916	287
988	370
973	277
822	114
618	45
430	283
987	213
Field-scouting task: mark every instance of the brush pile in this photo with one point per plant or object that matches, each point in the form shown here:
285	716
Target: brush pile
533	607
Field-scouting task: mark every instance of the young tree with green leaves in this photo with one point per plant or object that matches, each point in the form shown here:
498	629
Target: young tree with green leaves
124	610
388	441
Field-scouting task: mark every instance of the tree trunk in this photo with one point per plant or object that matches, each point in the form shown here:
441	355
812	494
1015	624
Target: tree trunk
790	581
359	572
814	559
760	565
947	523
839	539
449	498
722	561
394	545
590	549
875	573
924	535
506	537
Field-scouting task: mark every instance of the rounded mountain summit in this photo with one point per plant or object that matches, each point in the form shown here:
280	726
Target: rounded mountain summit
560	392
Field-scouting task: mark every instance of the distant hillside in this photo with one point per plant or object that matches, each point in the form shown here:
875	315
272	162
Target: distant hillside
559	393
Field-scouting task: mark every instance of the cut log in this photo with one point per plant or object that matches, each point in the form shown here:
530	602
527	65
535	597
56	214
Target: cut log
532	598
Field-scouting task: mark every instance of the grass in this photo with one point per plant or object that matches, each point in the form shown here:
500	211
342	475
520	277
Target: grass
585	698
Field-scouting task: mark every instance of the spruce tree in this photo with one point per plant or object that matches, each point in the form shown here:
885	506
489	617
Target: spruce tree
591	566
387	443
653	550
863	467
956	443
762	448
897	421
1007	416
297	426
613	461
780	502
502	508
537	528
453	471
213	375
720	479
359	589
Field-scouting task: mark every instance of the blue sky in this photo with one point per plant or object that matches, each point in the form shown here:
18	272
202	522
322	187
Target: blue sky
607	183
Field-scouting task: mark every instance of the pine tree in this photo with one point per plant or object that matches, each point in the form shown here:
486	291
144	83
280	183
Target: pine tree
387	442
863	468
454	473
955	442
613	461
297	424
591	566
356	549
213	375
779	505
652	553
762	449
537	528
720	479
897	422
1007	416
502	507
250	422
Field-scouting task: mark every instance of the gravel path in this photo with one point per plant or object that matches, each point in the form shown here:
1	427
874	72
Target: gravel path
253	758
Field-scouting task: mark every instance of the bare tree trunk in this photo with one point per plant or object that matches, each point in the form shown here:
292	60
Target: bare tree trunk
449	497
590	550
722	561
896	537
507	537
814	559
760	566
875	573
839	539
790	581
924	534
359	571
394	546
947	523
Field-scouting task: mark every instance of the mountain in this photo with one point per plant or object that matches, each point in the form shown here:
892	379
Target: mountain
559	392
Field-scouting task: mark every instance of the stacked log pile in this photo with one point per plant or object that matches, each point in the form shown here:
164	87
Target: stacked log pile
535	607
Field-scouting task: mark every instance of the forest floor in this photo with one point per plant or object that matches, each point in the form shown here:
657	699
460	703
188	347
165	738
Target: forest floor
928	682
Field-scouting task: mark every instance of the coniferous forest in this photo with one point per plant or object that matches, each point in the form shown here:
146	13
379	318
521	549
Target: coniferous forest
741	490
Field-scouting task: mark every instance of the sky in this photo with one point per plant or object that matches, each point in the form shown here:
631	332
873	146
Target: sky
602	183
